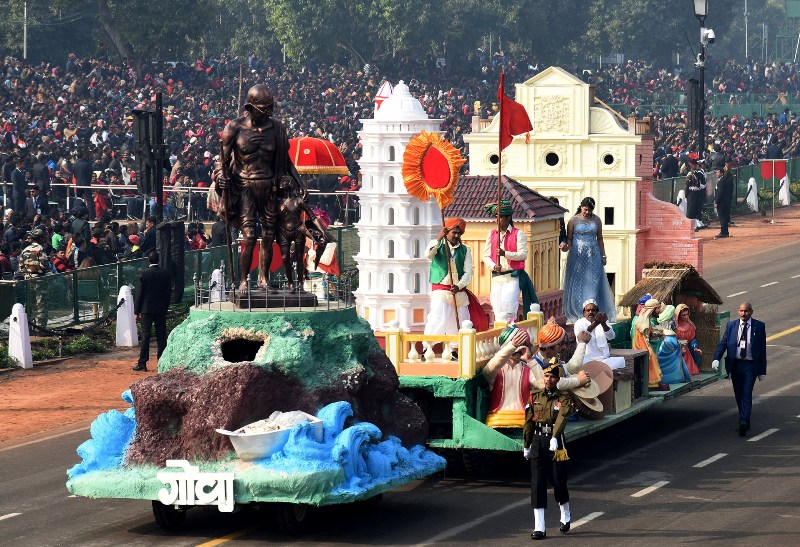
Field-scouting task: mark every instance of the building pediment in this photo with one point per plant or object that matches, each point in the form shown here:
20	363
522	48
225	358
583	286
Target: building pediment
554	76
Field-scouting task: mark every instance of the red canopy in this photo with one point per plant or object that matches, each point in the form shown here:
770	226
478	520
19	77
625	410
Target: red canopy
313	156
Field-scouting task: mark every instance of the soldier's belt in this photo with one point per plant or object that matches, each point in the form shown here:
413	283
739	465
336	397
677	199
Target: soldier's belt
543	429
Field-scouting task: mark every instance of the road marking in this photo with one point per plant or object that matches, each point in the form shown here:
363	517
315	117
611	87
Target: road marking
736	294
795	276
45	438
588	518
73	496
649	489
635	455
767	433
769	284
712	459
783	333
229	537
475	522
8	516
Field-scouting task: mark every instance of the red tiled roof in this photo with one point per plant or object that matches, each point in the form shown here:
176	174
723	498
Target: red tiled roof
473	192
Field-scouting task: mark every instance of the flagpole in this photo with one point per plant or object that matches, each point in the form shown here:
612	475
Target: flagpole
500	161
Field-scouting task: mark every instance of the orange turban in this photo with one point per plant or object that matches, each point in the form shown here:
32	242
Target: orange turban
550	334
451	223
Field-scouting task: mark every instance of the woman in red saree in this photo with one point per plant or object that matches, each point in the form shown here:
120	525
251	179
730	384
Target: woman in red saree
687	336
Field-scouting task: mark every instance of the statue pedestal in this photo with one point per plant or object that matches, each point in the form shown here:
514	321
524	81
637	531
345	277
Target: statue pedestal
260	298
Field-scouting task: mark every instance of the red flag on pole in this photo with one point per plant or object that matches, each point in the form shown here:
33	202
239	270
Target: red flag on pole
767	170
514	119
780	169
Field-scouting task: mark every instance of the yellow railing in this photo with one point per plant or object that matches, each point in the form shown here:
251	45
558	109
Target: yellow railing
415	355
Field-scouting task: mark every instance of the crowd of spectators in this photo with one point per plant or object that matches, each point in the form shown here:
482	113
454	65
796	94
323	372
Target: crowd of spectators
71	123
59	242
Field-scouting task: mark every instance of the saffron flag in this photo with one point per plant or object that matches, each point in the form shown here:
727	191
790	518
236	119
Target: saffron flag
514	119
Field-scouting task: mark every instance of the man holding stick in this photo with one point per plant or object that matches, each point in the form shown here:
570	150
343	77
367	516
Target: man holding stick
449	300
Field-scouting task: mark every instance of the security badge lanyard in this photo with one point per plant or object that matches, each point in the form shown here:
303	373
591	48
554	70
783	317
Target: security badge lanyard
743	337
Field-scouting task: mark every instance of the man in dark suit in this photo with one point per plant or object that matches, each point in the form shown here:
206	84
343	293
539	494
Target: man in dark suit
745	343
148	242
19	184
218	233
150	306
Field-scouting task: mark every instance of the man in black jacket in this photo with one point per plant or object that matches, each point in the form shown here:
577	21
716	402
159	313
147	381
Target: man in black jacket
218	233
723	200
19	184
150	306
148	242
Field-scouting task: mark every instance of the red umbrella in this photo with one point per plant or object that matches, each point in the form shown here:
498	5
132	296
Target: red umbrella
312	156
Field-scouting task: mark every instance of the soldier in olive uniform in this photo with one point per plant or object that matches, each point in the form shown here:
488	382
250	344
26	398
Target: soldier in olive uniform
34	263
545	420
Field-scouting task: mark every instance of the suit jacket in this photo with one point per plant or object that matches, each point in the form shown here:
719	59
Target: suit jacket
218	234
148	242
155	291
729	345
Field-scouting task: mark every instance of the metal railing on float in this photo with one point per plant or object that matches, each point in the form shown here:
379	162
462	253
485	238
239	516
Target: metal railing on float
332	292
415	354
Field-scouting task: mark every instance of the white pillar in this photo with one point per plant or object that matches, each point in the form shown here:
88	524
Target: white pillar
126	323
783	191
19	337
752	194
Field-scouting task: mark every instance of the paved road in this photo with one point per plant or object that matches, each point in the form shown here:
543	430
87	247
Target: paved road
678	473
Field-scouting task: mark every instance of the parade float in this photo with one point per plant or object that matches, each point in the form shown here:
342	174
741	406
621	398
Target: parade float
265	393
198	433
445	382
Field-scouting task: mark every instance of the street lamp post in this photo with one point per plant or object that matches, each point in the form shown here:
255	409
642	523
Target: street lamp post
700	11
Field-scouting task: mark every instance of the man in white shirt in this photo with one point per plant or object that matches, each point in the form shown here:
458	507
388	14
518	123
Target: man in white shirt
505	254
596	324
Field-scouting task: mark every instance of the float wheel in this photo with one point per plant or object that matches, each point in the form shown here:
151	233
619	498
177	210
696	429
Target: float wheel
168	517
293	517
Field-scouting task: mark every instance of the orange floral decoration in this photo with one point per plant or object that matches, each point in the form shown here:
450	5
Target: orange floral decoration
430	168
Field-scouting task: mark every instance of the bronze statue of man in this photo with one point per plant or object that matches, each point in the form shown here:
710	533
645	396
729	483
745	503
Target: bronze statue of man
296	222
254	157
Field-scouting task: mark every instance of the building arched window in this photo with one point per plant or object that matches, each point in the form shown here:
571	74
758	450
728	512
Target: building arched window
369	281
390	221
391	153
415	250
415	217
390	186
390	284
391	249
417	283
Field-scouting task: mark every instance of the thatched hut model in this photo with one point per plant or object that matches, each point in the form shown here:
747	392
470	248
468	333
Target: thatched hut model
675	283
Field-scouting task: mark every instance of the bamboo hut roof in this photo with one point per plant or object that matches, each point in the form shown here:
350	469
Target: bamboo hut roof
661	279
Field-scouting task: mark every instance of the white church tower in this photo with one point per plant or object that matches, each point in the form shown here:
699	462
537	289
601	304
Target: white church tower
394	228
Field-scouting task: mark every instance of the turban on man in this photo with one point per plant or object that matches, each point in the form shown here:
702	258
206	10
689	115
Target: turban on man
550	334
509	332
490	209
451	223
666	314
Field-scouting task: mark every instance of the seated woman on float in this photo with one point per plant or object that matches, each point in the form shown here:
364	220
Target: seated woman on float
673	368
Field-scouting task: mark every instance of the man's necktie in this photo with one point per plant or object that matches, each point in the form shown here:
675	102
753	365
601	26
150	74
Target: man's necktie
743	350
